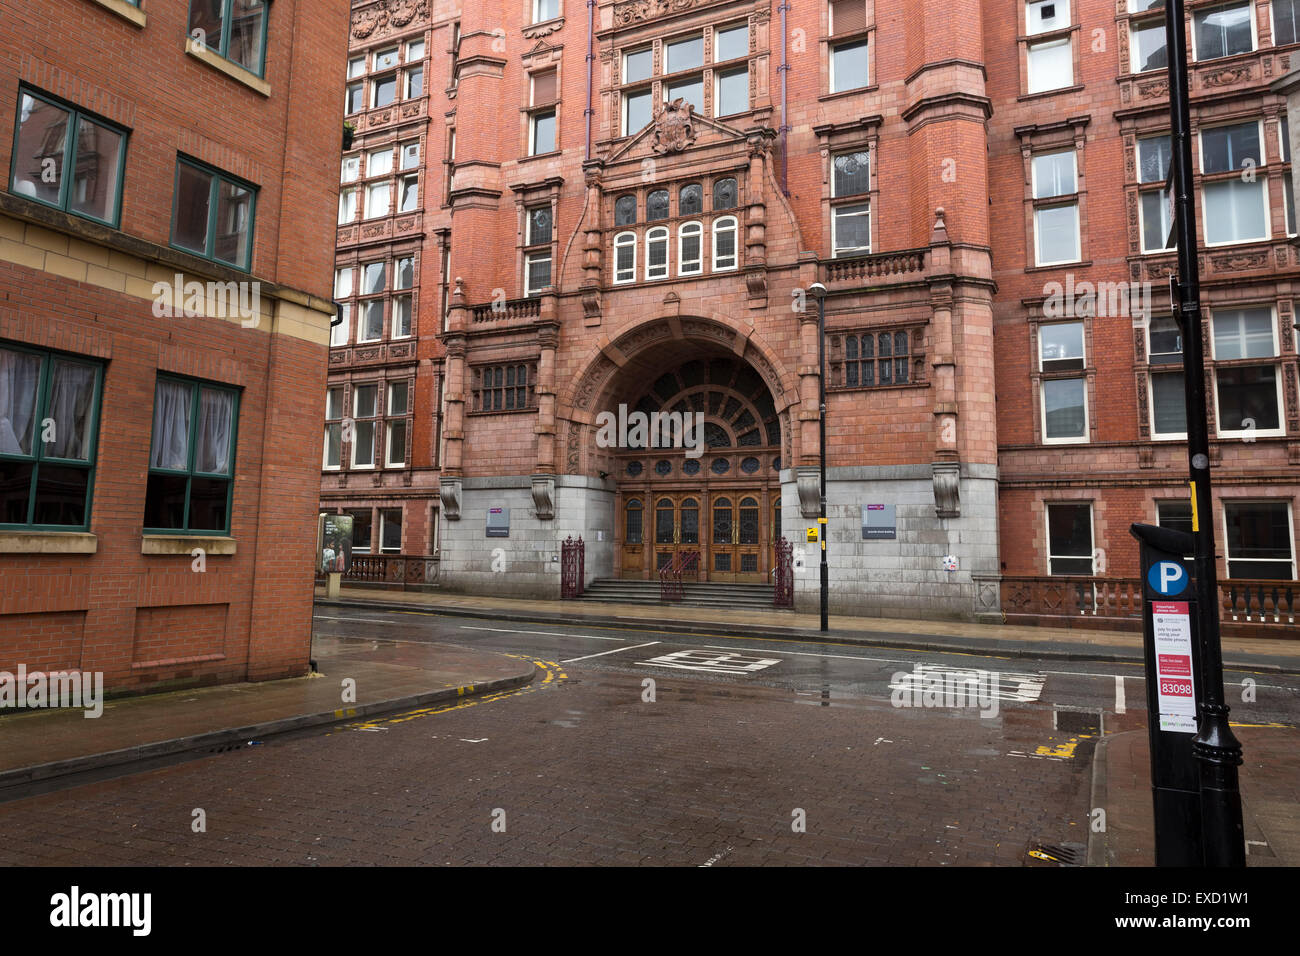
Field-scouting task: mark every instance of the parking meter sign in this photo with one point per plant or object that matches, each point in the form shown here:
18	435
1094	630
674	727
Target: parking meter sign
1175	691
1169	578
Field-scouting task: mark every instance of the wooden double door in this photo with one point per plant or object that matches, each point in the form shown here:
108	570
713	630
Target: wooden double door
733	531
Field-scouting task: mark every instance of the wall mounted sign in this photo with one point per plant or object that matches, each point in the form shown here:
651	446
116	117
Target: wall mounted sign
878	523
498	523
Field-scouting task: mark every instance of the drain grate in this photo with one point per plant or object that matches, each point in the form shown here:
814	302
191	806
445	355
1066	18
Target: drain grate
1062	854
1078	721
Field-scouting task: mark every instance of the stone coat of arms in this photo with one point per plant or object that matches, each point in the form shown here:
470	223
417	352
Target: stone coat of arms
674	127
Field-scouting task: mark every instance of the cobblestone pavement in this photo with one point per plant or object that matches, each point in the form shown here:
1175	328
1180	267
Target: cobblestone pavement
580	769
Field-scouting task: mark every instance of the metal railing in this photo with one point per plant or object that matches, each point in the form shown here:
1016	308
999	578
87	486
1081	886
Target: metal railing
671	574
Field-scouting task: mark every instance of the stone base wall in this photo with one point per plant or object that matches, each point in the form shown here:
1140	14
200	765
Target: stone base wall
902	577
527	563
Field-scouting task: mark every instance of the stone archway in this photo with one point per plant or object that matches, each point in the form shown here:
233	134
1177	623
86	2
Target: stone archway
717	494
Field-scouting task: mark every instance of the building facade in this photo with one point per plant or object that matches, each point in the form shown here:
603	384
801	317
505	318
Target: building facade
164	318
619	213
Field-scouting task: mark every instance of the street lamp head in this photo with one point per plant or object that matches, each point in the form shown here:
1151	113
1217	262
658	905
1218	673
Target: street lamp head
817	289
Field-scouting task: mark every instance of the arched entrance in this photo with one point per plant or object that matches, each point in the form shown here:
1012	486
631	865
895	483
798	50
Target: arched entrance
714	490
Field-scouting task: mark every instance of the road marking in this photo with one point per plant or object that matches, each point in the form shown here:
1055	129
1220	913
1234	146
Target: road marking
512	630
1120	703
712	663
843	657
1021	688
615	650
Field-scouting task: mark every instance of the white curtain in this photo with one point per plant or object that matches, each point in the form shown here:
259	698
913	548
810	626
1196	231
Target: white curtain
71	395
171	426
19	375
215	412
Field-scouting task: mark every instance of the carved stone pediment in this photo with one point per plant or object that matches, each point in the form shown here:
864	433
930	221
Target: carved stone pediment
639	11
387	16
676	129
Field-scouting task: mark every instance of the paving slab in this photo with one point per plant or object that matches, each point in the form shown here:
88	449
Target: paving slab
40	744
1270	798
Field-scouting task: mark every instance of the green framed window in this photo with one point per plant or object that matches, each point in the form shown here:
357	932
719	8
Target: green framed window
67	158
213	214
235	29
191	457
49	424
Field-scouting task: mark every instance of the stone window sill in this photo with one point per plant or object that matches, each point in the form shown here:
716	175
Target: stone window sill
185	544
232	70
127	11
48	542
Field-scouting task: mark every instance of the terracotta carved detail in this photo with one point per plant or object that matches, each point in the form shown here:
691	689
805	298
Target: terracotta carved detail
674	127
386	15
1221	78
638	11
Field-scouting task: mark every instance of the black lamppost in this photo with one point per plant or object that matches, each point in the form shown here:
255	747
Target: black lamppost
1215	748
819	291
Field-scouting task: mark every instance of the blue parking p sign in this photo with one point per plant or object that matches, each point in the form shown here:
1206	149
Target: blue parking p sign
1168	578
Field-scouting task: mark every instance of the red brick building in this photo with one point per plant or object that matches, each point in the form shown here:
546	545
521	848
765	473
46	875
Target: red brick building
164	312
622	206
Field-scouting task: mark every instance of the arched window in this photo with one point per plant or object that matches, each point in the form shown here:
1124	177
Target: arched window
690	521
656	253
749	530
690	249
722	518
632	522
625	210
625	257
724	243
656	205
724	194
664	521
690	201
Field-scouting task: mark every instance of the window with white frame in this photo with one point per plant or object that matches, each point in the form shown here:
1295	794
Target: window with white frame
730	42
1286	22
625	257
377	200
1069	538
365	414
724	244
1146	44
850	66
390	530
395	427
383	90
638	107
379	162
544	10
408	199
347	206
1165	369
1063	387
1155	206
656	253
1260	540
410	153
1247	379
732	93
403	303
370	317
1175	515
1051	65
1056	208
1223	30
690	249
342	292
351	169
851	206
542	126
1235	200
1045	16
333	457
537	254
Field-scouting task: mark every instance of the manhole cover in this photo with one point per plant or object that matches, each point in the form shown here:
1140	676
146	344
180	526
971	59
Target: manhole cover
1062	854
